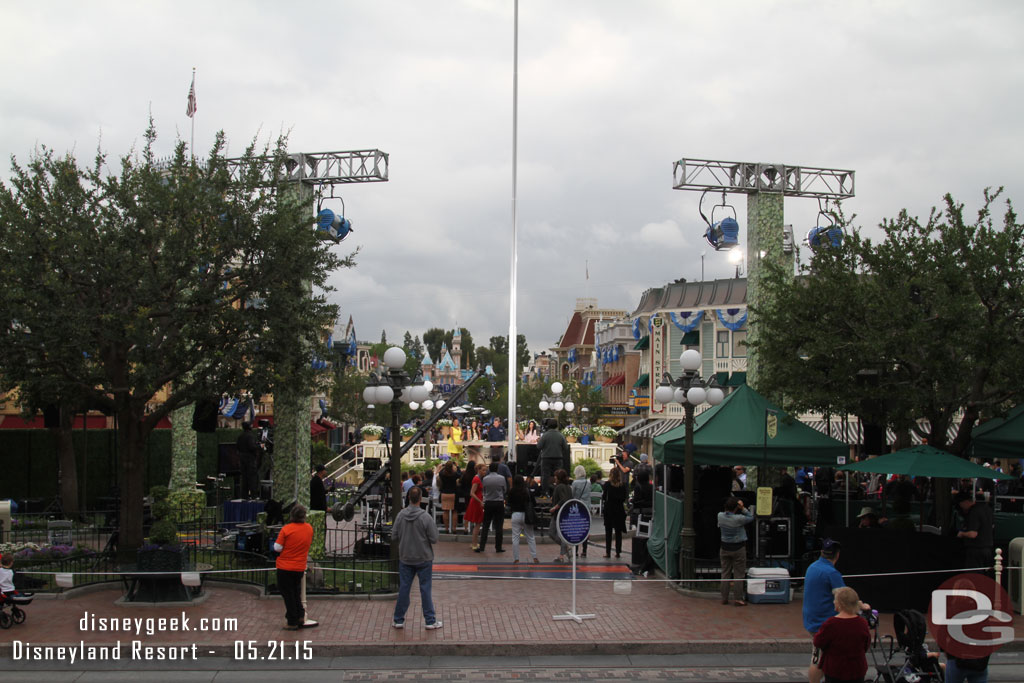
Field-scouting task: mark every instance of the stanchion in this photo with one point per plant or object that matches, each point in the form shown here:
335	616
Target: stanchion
572	523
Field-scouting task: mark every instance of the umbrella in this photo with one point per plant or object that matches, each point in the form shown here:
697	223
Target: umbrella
925	461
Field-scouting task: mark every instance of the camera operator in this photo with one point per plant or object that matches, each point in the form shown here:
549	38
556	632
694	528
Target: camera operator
249	454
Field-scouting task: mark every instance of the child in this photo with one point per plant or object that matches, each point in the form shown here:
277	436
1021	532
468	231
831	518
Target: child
7	576
843	640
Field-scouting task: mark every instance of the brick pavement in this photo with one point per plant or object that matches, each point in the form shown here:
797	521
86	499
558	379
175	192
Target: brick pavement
482	616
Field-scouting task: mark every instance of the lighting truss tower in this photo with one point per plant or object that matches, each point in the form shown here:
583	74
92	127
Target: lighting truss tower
310	172
765	186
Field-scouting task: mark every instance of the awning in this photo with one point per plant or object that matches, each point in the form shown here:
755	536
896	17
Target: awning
722	378
737	379
633	428
691	339
658	426
642	381
613	381
315	429
642	344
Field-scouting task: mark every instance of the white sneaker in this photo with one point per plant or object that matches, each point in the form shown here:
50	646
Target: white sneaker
398	624
436	625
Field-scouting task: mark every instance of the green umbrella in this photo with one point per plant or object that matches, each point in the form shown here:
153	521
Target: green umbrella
925	461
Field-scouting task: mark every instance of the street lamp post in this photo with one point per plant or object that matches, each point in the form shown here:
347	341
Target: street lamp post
395	387
690	391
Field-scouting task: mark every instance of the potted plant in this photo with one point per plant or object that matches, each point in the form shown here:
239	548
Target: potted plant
406	431
371	432
446	425
571	433
604	434
162	552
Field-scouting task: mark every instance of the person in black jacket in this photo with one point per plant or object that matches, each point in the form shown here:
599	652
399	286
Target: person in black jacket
249	453
317	490
614	497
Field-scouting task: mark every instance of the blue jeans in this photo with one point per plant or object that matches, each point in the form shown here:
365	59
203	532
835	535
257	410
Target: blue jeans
955	675
406	572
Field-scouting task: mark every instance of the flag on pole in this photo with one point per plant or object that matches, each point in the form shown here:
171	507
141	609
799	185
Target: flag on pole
588	269
190	110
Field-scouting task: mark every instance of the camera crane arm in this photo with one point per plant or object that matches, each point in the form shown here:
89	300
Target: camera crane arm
347	511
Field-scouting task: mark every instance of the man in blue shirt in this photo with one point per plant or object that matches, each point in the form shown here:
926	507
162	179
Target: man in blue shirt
821	580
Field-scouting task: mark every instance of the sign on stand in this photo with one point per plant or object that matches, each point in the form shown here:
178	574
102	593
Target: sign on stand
573	525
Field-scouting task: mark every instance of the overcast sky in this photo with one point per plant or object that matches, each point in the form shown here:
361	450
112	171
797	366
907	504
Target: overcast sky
919	98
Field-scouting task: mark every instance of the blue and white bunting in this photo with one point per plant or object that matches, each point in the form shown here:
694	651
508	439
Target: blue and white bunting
686	320
732	318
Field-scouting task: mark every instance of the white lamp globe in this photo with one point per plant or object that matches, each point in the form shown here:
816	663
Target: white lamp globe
556	388
557	407
413	405
385	394
419	393
569	405
428	405
370	406
715	396
679	396
370	394
696	395
663	394
543	405
394	358
440	403
428	385
690	360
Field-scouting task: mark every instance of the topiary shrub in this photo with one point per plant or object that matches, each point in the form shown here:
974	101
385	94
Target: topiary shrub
163	532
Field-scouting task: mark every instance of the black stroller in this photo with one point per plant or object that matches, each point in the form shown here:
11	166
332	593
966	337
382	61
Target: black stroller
904	659
11	611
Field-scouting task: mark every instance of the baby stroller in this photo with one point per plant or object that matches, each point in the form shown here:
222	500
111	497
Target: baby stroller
904	659
11	611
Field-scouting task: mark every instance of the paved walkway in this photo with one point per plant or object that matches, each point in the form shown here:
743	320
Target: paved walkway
488	607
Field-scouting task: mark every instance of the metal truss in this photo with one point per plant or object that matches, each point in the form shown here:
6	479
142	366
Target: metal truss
748	178
322	168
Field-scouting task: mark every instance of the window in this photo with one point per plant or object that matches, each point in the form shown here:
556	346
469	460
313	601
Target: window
739	344
722	350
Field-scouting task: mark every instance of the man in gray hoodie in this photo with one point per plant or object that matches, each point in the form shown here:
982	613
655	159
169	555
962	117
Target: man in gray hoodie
415	533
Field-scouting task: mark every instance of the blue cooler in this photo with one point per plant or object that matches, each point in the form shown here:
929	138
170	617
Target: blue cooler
768	585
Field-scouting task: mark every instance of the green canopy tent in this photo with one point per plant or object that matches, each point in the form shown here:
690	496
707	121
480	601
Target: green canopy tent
925	461
735	433
1001	437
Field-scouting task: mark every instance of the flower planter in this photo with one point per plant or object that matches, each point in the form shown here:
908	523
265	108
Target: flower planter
603	439
371	437
571	439
446	430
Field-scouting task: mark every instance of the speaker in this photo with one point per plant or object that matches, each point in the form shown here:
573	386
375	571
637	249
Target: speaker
874	439
204	415
371	464
773	537
227	459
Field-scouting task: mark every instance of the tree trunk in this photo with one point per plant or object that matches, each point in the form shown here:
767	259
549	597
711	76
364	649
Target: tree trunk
67	464
131	481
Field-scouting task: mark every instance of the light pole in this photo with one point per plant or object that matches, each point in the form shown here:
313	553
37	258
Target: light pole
555	402
690	391
394	386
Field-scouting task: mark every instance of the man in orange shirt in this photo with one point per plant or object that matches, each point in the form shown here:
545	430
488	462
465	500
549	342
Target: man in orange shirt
293	547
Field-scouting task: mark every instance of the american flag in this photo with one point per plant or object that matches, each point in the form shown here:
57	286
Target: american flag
190	110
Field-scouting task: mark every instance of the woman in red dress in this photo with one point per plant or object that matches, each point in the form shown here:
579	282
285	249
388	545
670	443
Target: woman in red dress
475	509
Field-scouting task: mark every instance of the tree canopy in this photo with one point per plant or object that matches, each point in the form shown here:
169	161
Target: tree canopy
925	324
122	281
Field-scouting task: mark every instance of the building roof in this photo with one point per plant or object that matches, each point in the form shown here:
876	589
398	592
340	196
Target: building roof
692	295
573	333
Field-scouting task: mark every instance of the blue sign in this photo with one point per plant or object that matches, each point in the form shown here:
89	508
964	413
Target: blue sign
573	521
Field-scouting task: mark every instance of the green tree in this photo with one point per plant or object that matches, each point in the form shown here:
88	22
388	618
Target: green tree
925	324
407	344
127	280
383	336
435	337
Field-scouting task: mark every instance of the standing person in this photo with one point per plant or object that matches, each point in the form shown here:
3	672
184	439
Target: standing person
495	433
581	491
462	495
561	493
531	434
448	481
553	449
977	532
844	639
475	509
292	546
249	453
317	490
455	439
821	579
524	516
621	463
495	489
733	553
614	503
415	533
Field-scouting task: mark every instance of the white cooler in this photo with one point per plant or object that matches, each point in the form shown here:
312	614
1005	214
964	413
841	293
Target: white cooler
768	585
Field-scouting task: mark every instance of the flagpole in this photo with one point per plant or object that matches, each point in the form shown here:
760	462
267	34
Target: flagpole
192	142
513	346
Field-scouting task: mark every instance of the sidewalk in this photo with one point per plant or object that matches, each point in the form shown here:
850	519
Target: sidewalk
482	615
